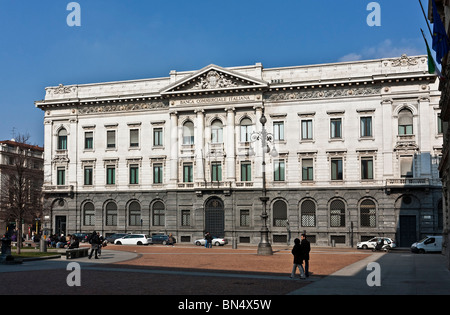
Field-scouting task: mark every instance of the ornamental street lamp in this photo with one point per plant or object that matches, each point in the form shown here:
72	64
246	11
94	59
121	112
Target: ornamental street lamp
264	247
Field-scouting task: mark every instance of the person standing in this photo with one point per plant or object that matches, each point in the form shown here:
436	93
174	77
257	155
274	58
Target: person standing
94	240
305	249
298	260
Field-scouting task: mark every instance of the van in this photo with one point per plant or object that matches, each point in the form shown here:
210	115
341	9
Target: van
427	245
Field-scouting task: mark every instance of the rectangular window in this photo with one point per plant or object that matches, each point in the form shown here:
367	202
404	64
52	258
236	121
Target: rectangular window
188	173
134	138
89	140
336	128
134	174
279	171
307	170
216	171
336	169
439	124
111	139
88	178
366	126
185	217
307	129
367	168
246	171
157	137
244	217
157	173
61	176
406	166
278	130
110	175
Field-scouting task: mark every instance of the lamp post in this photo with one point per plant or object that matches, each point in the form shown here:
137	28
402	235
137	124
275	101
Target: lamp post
264	247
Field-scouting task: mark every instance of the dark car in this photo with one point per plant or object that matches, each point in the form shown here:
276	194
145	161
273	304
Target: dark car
162	239
111	238
82	237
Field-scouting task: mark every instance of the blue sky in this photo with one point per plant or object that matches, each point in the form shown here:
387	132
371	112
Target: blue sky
136	39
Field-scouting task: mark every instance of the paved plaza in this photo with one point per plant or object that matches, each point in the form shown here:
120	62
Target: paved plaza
222	271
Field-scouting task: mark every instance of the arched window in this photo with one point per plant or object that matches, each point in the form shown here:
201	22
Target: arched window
405	122
308	213
217	131
367	211
337	213
111	213
62	139
279	213
89	213
134	213
158	213
246	129
188	132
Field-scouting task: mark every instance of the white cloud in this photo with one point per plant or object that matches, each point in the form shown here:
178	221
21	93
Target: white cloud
385	49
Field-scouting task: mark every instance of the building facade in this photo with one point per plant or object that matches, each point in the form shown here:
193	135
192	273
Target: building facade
443	9
18	157
353	153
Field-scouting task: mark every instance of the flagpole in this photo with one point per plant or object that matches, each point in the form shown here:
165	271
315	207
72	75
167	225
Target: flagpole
425	16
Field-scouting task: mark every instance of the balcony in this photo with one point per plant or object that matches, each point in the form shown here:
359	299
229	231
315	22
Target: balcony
407	182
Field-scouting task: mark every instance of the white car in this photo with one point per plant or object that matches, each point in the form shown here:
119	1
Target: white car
133	239
373	241
216	241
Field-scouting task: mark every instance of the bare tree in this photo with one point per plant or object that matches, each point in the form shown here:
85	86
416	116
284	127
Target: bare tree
21	185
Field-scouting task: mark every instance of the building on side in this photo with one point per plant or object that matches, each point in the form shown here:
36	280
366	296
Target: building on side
357	147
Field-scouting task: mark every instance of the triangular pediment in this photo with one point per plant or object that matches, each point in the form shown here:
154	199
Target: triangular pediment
213	78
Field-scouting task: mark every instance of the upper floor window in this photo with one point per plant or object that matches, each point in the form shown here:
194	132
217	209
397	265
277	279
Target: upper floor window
366	126
157	137
111	139
246	129
405	122
88	140
217	131
134	138
336	128
62	139
188	132
307	129
278	130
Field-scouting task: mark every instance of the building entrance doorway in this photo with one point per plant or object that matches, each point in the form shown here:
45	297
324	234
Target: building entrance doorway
408	233
215	217
60	225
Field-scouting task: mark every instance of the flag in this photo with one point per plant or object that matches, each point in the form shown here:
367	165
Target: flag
440	38
432	68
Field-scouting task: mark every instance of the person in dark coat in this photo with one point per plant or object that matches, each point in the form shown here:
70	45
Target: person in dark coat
94	240
305	249
298	259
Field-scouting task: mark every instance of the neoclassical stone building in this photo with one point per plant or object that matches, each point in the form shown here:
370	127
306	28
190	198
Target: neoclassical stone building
353	153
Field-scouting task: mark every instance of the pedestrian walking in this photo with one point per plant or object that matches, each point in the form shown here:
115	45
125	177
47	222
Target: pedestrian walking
305	249
209	238
298	260
94	240
100	244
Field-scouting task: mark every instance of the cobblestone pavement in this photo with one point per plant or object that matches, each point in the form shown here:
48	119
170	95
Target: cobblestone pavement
179	270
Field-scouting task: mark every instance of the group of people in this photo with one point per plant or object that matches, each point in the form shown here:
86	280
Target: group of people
60	241
301	251
97	242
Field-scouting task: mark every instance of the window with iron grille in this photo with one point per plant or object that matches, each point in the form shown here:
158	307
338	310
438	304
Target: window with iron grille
337	213
308	213
279	213
89	214
185	217
111	214
158	210
368	213
244	217
134	213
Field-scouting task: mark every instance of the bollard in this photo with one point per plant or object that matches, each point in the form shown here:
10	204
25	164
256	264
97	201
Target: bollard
234	243
43	245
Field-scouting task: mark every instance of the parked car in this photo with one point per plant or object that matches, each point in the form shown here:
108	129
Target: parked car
215	241
373	241
133	239
111	238
427	245
161	239
82	237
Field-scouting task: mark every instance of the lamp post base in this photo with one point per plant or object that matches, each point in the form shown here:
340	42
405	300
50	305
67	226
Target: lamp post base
264	247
